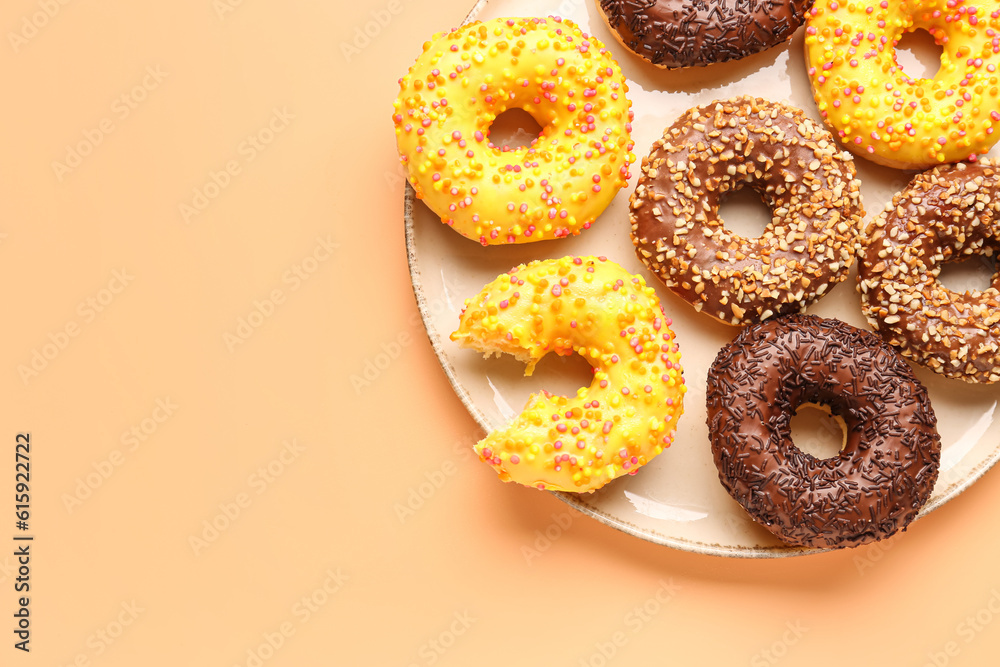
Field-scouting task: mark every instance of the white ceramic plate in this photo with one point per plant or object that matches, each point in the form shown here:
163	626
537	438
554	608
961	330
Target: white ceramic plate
677	499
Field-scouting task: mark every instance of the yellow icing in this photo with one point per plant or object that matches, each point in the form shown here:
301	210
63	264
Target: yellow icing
880	112
595	308
567	80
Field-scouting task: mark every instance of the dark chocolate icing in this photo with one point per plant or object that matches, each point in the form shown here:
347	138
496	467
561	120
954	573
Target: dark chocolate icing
888	466
685	33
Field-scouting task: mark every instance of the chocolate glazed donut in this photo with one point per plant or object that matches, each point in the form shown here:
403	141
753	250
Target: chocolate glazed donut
889	463
684	33
800	173
946	213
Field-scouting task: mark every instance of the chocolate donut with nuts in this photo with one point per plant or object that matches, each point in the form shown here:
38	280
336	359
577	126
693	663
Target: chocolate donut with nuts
944	214
889	463
798	170
685	33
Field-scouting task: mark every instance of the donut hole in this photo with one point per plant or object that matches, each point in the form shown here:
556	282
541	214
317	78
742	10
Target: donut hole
743	212
968	274
513	129
560	375
918	55
817	431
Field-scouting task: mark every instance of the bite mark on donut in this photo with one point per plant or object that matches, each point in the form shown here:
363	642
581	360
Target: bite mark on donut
591	307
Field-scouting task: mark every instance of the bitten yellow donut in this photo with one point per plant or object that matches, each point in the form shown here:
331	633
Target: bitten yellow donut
552	188
614	320
880	112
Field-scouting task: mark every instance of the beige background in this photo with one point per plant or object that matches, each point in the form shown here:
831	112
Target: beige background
226	336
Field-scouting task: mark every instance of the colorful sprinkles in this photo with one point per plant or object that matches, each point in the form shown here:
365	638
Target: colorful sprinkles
555	187
614	320
880	112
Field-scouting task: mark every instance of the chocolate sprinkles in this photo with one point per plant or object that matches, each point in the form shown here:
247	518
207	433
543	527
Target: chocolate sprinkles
684	33
884	474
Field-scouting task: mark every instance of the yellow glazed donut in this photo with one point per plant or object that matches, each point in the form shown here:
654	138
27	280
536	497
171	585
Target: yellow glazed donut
552	188
881	113
614	320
